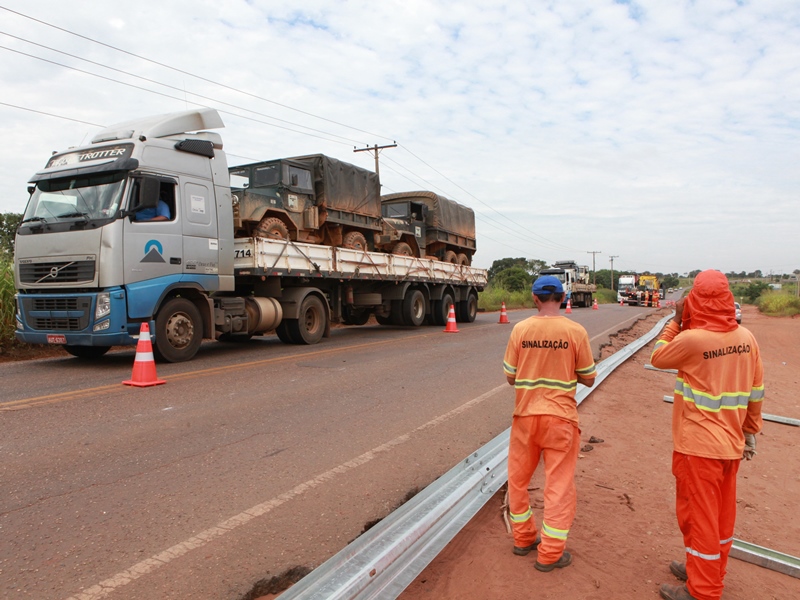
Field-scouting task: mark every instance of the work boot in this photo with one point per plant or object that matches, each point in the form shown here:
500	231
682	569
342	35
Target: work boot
678	569
523	551
564	561
675	592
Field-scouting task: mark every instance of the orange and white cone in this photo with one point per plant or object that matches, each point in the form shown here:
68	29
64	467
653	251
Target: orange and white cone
594	305
144	365
451	321
569	307
503	314
622	301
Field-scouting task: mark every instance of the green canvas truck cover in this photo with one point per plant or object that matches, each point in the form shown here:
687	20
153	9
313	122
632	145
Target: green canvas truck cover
342	186
443	213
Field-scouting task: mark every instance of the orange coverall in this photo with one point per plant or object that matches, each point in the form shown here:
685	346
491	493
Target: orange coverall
717	397
543	356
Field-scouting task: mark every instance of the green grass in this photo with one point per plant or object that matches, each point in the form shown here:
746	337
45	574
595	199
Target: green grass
606	296
778	304
7	306
491	298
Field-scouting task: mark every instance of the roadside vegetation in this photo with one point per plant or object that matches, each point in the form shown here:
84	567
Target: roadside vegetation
7	324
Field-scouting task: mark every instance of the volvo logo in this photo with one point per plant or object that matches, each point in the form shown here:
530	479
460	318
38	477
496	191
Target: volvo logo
54	272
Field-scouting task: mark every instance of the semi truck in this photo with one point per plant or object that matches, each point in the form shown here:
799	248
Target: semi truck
624	285
139	226
426	224
575	279
647	292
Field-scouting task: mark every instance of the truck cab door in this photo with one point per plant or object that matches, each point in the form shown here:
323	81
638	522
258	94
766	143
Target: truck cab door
200	235
153	244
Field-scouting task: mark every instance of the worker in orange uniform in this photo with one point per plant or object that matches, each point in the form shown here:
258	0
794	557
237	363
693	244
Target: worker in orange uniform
546	357
715	416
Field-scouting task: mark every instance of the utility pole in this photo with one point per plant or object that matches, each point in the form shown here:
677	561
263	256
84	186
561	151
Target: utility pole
376	150
611	258
594	272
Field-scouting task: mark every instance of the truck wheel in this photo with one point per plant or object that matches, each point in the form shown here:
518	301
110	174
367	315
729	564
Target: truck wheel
87	352
310	327
383	320
403	249
450	257
355	317
283	333
179	331
463	260
441	309
414	308
354	240
272	227
467	310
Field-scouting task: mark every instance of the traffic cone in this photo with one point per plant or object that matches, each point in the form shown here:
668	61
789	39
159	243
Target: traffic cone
594	305
451	321
503	314
144	366
569	307
622	301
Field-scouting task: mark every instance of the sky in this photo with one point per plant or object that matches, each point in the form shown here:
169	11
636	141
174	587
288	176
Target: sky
663	134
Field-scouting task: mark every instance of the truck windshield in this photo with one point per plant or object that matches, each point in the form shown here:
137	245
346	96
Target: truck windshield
87	198
395	210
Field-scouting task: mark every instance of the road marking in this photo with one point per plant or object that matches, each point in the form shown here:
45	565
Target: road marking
106	587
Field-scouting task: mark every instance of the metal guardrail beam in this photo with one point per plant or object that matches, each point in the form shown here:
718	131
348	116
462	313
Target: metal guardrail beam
383	561
765	557
765	416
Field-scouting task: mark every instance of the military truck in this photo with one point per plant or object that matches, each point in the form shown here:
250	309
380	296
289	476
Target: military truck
426	224
314	199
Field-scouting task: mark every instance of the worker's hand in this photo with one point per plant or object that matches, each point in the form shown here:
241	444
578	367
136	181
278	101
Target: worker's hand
749	446
679	310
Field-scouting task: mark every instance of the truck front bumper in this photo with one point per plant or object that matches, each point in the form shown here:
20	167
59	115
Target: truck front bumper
72	319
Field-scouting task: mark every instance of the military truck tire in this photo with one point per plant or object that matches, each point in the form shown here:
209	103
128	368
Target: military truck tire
272	227
414	308
179	331
311	325
463	260
354	240
87	352
467	310
441	309
403	249
450	257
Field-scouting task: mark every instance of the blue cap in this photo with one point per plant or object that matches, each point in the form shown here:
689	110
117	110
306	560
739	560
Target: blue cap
547	284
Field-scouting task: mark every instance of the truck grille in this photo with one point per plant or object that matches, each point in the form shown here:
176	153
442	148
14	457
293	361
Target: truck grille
49	313
54	304
57	272
65	324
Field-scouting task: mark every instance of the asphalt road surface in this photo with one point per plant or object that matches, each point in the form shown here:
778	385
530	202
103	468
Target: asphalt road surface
251	459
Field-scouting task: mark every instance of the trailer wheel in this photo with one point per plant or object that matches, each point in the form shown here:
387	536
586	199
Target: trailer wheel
403	249
450	257
355	316
311	325
86	352
441	309
384	320
414	308
463	260
272	227
467	310
354	240
179	331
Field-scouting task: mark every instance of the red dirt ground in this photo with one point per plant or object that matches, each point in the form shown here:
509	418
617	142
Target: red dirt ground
625	533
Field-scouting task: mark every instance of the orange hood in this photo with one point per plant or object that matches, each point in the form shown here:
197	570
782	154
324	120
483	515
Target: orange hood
709	304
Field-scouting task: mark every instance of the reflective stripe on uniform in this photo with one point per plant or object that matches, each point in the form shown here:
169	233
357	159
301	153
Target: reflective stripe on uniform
521	518
703	556
728	541
711	403
553	384
757	394
561	534
510	370
587	371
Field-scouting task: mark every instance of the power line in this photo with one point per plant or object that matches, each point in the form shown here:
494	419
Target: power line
41	112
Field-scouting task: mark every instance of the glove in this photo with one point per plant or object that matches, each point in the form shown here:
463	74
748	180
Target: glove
749	446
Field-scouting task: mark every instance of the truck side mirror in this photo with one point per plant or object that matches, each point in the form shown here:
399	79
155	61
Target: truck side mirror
294	180
31	189
149	189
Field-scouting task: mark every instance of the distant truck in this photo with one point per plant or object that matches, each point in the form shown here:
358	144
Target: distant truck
625	284
91	266
647	292
575	280
427	224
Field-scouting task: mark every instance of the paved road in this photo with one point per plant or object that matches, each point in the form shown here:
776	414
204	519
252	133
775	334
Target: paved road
251	459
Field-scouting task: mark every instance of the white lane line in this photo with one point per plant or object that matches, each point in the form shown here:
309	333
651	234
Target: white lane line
106	587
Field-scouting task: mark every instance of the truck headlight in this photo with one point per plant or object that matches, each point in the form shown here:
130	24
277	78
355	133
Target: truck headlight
103	306
102	326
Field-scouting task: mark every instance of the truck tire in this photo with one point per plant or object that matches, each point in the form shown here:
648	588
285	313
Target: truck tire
414	308
283	334
179	331
450	257
311	325
87	352
403	249
441	309
467	310
383	320
272	227
355	317
463	260
354	240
